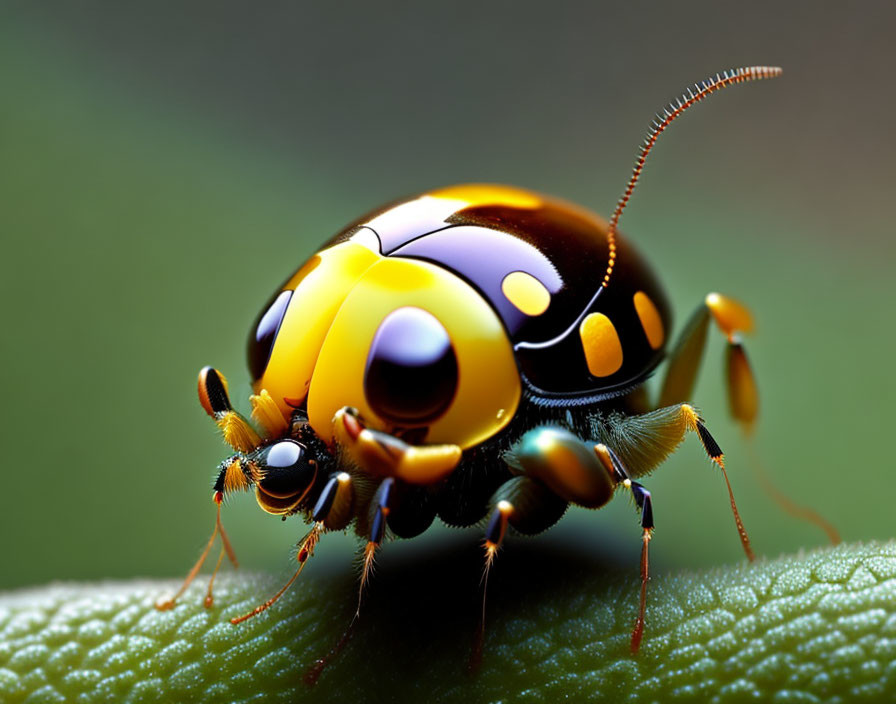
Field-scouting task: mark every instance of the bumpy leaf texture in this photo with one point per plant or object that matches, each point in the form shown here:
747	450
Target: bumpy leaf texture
809	628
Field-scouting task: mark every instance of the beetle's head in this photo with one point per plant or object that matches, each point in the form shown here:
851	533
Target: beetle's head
286	471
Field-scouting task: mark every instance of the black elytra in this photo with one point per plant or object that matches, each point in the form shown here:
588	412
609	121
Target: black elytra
565	249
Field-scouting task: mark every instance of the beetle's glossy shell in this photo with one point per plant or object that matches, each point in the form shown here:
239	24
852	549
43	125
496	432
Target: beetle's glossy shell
515	279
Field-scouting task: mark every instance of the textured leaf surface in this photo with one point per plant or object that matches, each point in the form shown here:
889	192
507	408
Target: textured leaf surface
813	627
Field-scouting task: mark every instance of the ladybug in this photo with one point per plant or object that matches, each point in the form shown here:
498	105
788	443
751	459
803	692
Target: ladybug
476	353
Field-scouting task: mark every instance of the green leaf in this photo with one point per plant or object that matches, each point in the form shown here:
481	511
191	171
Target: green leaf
814	627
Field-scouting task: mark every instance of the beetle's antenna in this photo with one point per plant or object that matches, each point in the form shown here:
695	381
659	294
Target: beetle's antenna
693	94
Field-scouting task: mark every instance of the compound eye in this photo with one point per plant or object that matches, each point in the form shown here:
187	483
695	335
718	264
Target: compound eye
261	339
285	468
411	375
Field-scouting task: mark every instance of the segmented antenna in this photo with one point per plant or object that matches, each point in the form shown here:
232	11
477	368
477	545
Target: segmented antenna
694	94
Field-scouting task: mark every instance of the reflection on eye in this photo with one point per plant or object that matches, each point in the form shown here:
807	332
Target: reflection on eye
285	471
411	375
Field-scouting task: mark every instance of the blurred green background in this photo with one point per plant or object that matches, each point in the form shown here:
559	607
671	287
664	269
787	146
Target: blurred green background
163	166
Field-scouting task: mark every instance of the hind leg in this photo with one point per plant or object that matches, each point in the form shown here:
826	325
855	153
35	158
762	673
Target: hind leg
732	319
644	441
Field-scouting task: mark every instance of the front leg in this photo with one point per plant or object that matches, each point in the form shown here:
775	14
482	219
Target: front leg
380	454
282	472
233	475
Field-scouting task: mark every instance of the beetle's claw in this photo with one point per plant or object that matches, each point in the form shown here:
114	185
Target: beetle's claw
385	455
347	425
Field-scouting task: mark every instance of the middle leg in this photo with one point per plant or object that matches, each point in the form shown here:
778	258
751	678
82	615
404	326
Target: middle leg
559	468
732	319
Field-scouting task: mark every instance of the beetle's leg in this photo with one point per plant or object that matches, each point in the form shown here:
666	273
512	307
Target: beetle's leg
384	455
306	549
166	604
332	510
611	462
328	506
413	509
743	399
573	471
234	474
644	441
381	505
786	503
530	507
684	359
732	318
495	530
334	506
237	431
563	463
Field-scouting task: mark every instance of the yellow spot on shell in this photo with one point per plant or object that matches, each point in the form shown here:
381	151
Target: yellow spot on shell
474	194
650	320
603	350
526	292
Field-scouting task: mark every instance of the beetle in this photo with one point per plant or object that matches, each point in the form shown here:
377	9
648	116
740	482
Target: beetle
476	353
